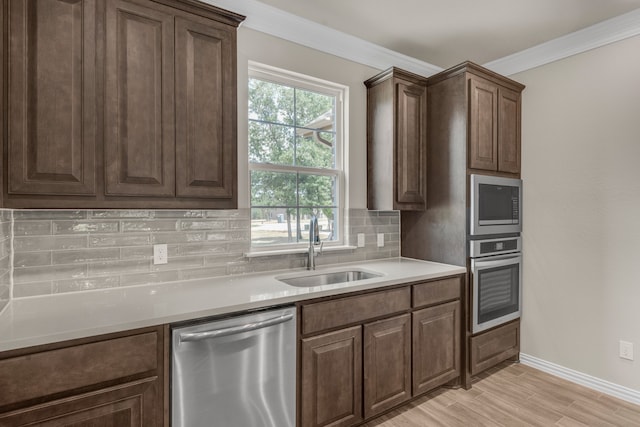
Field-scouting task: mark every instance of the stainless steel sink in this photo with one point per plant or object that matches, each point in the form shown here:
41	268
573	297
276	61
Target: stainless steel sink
328	277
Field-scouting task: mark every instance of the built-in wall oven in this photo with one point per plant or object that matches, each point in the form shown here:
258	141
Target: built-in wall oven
496	272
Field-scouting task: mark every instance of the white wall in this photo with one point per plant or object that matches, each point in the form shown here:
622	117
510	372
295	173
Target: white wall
269	50
581	171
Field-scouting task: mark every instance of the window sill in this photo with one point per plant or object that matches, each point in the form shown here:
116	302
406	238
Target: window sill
256	254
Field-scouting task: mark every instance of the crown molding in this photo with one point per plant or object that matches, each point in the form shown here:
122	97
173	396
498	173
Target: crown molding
270	20
597	35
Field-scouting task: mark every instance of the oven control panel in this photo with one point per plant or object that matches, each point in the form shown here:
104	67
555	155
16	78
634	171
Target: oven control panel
488	247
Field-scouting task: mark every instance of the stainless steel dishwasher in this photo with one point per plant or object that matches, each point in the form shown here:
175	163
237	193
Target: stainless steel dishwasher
236	372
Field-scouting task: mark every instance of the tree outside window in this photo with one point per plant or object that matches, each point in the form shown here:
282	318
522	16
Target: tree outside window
294	158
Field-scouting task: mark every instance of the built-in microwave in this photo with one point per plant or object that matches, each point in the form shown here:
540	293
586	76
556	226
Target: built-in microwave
496	205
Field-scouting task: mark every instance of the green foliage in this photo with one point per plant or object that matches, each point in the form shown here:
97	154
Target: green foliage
292	127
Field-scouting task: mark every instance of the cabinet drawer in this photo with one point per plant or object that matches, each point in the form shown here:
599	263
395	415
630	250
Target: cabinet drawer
49	373
435	292
495	346
344	311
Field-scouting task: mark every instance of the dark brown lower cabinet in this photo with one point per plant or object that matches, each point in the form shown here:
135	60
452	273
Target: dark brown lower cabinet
331	387
127	405
494	346
395	344
436	346
387	364
107	381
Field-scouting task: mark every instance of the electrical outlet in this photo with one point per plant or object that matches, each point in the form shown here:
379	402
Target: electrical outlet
626	350
160	255
361	240
380	240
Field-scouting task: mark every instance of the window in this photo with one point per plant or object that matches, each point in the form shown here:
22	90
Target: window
295	157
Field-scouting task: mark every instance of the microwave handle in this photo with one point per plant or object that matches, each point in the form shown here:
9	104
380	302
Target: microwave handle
495	262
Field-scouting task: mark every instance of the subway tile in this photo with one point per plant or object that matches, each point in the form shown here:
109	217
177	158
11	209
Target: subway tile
149	225
48	243
239	223
32	259
5	215
49	214
32	228
386	229
222	259
202	248
178	237
389	213
89	226
121	213
85	256
204	224
179	214
202	273
145	278
5	230
136	252
32	289
118	267
75	285
219	236
49	272
110	240
178	263
235	213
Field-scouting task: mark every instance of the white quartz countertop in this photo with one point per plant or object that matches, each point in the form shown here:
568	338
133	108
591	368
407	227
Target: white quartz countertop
26	322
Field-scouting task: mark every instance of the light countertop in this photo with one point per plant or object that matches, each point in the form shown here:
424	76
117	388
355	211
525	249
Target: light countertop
40	320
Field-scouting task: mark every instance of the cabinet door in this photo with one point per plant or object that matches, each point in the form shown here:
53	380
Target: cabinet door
139	101
509	131
135	404
331	379
51	97
483	124
387	364
436	346
205	110
411	147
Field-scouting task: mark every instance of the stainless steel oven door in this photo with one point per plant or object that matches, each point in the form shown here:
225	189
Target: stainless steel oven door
497	290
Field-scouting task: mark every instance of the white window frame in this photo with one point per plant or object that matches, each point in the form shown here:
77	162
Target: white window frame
341	93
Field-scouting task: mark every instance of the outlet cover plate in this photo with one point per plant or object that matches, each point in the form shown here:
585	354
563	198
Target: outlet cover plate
626	350
160	255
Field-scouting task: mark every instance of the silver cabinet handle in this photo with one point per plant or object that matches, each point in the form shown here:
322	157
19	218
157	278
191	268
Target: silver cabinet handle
199	336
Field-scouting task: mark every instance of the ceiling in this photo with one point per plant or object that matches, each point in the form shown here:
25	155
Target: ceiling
444	33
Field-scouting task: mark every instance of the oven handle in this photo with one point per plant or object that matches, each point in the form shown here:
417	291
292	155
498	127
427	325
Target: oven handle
495	261
199	336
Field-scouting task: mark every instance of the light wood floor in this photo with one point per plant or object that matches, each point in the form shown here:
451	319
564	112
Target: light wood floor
515	395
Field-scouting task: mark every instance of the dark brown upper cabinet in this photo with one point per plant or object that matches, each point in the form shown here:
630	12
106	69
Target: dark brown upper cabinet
494	126
397	141
52	117
492	106
120	104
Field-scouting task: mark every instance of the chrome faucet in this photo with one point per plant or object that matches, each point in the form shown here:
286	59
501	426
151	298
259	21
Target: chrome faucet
314	240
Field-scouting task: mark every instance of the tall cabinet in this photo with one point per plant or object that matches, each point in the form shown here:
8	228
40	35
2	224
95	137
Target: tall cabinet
397	141
473	117
119	103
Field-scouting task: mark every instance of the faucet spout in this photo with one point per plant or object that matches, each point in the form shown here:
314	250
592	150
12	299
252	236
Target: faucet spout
314	240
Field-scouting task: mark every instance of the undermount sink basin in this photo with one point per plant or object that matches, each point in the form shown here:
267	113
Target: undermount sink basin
328	278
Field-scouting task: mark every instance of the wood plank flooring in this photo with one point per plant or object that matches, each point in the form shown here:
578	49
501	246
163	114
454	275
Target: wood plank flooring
513	395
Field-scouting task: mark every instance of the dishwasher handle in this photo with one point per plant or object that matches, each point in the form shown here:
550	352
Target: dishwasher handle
199	336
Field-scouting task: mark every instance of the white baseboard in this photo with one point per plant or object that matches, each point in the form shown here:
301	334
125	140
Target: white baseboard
594	383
